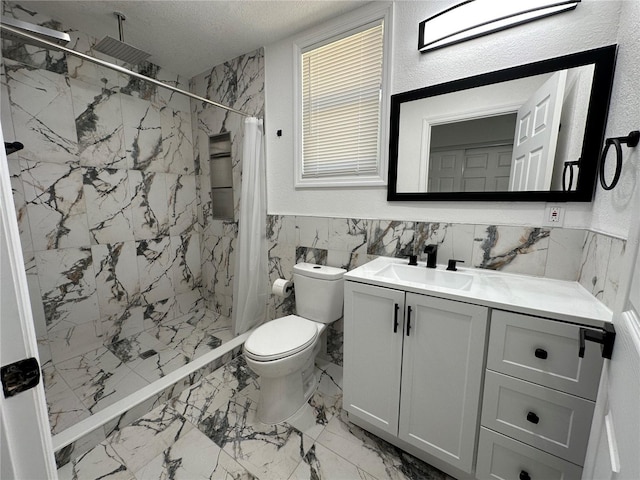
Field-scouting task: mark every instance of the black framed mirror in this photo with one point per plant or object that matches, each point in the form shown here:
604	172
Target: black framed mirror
527	133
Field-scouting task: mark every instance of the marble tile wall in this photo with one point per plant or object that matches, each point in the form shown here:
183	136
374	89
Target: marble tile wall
238	83
105	194
601	265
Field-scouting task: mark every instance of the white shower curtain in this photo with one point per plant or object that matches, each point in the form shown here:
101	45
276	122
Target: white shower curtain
250	282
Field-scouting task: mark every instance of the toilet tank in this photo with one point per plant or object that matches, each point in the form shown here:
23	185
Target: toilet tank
319	291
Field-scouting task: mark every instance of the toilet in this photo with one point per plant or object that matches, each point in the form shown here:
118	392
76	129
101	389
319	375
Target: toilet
282	351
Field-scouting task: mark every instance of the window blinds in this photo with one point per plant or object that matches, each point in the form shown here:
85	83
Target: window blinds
341	101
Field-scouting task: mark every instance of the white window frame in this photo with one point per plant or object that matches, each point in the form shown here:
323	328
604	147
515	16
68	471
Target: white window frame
343	27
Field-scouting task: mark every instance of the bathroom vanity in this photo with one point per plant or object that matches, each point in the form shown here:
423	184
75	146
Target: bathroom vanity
476	372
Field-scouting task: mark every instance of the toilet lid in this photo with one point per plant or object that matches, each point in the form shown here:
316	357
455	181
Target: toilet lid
281	338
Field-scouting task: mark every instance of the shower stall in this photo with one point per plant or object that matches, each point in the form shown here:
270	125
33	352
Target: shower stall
130	275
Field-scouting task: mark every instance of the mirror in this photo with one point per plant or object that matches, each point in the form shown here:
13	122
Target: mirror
528	133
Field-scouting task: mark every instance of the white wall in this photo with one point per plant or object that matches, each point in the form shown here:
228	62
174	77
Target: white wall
614	211
592	24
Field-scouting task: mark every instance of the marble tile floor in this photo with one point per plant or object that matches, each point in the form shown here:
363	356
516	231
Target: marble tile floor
211	432
88	383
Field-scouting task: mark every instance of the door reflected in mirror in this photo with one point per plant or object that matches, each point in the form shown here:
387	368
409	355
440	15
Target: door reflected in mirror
510	136
514	134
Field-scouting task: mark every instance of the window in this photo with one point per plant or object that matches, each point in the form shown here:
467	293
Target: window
341	108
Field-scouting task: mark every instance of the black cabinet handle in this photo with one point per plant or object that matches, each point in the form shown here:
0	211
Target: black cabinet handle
533	418
605	337
395	318
524	475
541	353
408	320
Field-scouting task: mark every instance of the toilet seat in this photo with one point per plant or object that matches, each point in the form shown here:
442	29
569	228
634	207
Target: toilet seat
280	338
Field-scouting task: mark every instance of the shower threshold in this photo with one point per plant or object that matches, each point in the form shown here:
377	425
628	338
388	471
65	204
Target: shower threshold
208	354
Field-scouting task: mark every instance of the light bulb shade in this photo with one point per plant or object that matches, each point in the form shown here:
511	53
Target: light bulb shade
474	18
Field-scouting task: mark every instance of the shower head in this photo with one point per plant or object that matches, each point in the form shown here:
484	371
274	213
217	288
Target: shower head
120	50
61	38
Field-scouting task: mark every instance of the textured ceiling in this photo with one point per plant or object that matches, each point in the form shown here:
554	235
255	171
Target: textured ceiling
189	37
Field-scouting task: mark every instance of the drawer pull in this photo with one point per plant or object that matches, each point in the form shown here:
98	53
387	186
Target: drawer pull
541	353
524	475
533	418
408	320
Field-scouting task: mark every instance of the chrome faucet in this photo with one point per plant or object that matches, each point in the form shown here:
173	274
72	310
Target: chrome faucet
432	255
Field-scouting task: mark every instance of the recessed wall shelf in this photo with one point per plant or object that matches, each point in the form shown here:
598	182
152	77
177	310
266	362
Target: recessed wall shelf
221	176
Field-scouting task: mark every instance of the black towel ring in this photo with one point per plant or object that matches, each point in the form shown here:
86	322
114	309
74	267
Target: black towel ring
630	140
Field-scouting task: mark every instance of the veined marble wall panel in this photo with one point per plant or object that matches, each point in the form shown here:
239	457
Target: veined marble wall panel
42	113
142	134
183	203
68	284
105	192
155	266
238	83
614	268
565	253
5	113
187	267
150	206
32	55
601	266
510	249
98	119
174	101
55	204
20	203
86	71
118	284
177	146
109	205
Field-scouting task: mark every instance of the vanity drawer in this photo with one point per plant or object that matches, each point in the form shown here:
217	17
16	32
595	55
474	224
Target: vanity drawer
544	352
555	422
502	458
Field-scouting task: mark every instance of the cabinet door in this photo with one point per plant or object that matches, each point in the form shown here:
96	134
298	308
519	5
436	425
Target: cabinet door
373	353
441	377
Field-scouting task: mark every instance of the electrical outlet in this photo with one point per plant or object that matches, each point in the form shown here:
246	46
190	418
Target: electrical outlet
554	216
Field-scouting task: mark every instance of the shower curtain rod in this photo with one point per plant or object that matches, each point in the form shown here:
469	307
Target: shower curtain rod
42	41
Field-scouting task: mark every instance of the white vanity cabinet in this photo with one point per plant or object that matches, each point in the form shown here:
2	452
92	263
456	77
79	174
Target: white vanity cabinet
413	367
477	373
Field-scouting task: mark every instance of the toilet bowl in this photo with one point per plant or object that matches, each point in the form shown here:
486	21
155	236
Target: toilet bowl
282	352
283	355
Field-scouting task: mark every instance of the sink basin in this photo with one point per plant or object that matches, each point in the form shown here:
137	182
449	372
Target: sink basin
426	276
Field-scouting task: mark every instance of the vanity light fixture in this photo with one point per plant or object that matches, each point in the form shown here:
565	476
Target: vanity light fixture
474	18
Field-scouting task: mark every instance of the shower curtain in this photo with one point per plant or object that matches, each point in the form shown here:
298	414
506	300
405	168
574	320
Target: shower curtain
250	283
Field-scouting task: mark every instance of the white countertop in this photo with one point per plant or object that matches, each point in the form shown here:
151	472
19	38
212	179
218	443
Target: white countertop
543	297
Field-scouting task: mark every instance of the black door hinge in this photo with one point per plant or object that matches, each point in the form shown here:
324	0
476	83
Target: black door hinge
19	376
605	337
